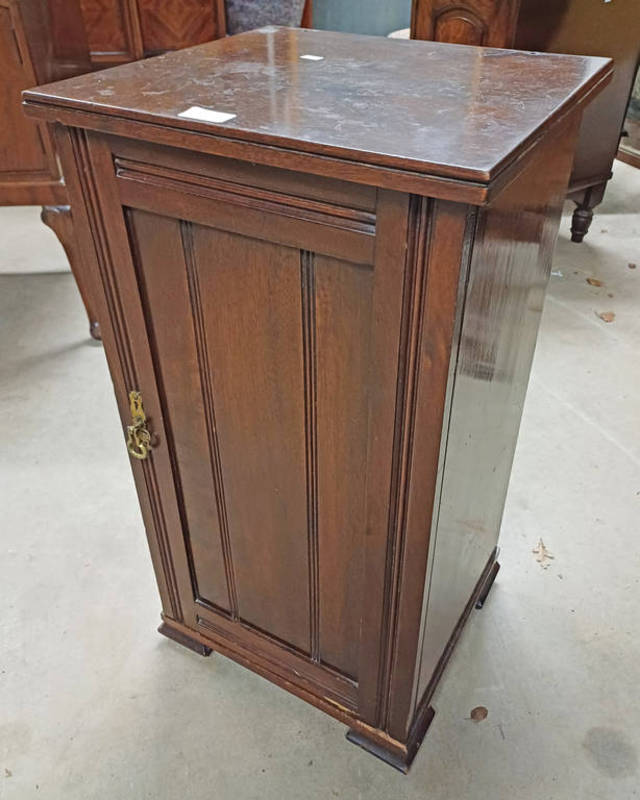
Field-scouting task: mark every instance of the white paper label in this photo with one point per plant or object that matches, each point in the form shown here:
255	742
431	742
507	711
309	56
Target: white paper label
309	57
206	114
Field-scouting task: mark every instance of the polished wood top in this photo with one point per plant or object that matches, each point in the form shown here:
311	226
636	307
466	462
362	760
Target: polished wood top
446	110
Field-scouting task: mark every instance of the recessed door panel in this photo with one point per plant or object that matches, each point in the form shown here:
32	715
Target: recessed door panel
251	314
343	294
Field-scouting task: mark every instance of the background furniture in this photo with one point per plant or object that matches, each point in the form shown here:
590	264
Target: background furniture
43	41
321	380
46	40
246	15
630	145
591	27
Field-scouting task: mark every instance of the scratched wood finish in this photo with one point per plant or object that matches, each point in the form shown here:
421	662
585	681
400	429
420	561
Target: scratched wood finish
423	88
600	28
319	348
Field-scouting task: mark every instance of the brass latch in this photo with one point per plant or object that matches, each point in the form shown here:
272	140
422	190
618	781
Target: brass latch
138	437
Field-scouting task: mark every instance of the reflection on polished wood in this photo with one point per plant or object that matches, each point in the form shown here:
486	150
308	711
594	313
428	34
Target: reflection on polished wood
329	304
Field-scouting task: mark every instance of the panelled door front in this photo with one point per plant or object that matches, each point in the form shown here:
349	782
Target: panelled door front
257	288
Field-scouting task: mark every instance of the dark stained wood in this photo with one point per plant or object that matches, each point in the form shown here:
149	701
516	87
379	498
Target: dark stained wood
251	309
420	86
179	366
186	641
557	26
339	358
118	31
58	218
444	266
69	46
510	265
607	29
28	169
174	24
46	40
490	23
307	15
330	364
108	30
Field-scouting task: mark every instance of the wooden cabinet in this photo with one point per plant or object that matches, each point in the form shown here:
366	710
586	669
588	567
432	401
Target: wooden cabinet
29	172
319	317
46	40
601	28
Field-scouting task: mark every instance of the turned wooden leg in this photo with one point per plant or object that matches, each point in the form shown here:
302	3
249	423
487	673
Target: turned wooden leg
580	222
583	214
185	640
58	218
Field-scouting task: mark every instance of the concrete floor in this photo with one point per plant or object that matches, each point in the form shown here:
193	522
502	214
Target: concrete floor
95	704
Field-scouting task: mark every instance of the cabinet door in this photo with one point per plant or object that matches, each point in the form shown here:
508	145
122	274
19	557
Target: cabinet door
487	23
28	171
267	384
262	350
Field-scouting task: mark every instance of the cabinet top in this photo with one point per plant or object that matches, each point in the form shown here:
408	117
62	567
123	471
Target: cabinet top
447	111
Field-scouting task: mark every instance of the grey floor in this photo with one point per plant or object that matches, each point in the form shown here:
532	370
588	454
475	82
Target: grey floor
95	704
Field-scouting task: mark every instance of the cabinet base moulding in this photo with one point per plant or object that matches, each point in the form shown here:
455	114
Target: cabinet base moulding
186	641
400	755
397	754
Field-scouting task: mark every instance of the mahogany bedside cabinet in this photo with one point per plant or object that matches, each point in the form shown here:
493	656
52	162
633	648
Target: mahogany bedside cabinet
322	260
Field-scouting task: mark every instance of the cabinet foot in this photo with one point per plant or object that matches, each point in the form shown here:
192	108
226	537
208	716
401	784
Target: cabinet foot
580	223
58	218
487	585
586	200
184	640
377	750
399	756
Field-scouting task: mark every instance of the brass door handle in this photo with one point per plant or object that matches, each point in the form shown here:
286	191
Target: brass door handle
138	436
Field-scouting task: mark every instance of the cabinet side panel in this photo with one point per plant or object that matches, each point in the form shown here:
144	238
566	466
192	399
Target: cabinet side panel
343	315
440	248
505	293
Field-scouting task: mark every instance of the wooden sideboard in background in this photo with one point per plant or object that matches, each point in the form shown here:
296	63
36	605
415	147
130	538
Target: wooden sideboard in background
126	30
46	40
629	150
591	27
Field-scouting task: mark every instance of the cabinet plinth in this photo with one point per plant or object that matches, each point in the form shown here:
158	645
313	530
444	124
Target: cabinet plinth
319	317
